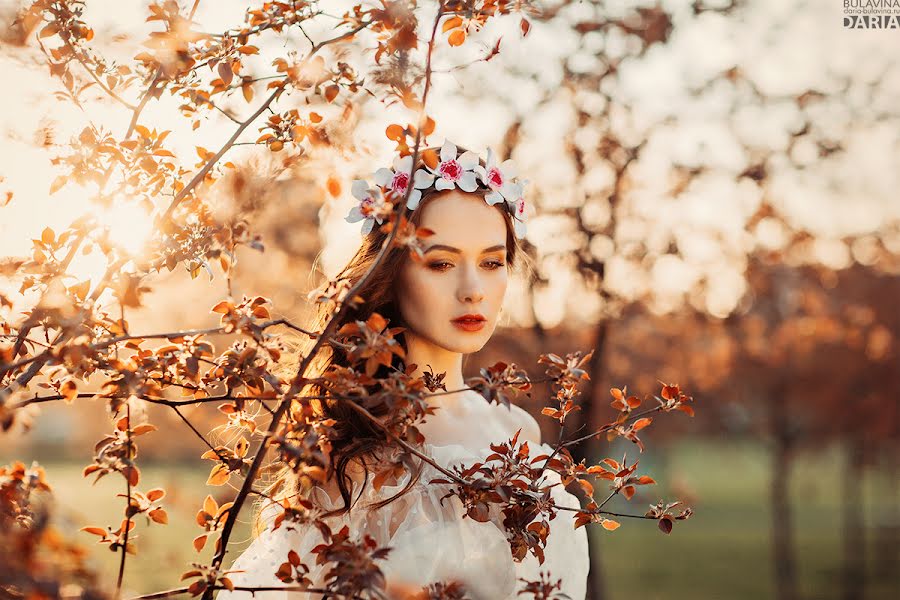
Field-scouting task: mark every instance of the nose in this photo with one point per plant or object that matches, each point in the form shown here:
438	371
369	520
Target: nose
470	287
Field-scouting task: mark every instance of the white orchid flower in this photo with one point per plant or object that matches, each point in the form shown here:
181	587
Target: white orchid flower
517	207
397	179
370	207
498	178
453	171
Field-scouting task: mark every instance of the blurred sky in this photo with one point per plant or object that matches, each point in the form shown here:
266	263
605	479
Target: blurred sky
785	47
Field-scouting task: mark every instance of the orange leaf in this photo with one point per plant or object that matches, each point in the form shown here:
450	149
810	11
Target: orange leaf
210	505
199	542
225	73
48	30
334	186
80	290
95	530
159	515
610	525
394	132
57	184
223	307
430	158
132	474
376	322
587	487
428	128
218	475
294	558
241	447
197	588
142	429
331	93
451	23
457	37
641	423
686	410
69	390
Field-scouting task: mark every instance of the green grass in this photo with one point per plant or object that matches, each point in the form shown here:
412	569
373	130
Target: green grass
723	551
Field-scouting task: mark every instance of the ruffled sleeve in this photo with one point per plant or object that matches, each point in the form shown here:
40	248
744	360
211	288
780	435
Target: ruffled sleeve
431	543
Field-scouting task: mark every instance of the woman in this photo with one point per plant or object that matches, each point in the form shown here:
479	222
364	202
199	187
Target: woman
449	303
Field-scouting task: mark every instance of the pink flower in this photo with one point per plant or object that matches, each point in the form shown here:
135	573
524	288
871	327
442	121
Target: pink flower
371	207
499	178
397	180
518	209
453	171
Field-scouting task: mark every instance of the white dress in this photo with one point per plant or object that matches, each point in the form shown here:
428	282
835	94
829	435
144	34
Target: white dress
431	542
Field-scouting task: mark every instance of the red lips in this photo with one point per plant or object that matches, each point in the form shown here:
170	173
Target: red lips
470	322
471	317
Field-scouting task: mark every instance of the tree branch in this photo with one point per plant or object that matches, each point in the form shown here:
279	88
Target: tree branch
296	384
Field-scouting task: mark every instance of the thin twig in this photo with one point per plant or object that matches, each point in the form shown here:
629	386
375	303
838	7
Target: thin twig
183	590
128	500
112	94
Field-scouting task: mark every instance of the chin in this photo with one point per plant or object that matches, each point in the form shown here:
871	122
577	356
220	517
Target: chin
470	348
467	343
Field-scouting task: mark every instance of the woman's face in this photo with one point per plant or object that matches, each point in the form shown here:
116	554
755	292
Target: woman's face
464	272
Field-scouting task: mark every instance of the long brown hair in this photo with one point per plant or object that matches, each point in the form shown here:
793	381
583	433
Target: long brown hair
357	439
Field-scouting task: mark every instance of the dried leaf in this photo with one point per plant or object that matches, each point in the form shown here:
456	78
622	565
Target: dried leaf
159	515
610	525
457	37
218	475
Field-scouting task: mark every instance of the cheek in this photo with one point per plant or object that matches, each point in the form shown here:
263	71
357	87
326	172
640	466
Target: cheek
497	285
421	294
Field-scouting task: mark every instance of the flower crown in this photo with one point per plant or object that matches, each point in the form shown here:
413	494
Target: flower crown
463	171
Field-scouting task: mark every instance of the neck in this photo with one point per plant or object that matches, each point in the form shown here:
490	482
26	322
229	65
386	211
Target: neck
429	356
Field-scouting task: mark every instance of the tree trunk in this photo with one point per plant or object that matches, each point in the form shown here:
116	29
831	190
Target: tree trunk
854	570
782	521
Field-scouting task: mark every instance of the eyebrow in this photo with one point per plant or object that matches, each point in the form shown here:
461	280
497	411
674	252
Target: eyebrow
458	251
